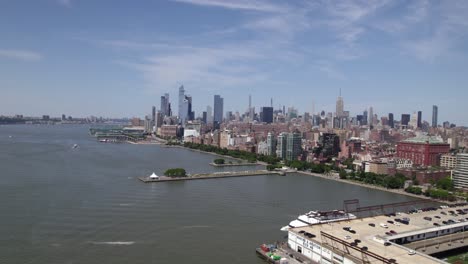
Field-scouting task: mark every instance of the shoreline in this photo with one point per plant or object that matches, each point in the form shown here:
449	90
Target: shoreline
370	186
323	176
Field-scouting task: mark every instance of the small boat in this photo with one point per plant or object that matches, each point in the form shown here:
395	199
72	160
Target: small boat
75	146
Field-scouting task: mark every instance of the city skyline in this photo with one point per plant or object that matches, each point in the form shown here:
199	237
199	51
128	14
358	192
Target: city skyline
397	57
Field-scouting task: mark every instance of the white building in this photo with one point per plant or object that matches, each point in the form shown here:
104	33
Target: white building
460	174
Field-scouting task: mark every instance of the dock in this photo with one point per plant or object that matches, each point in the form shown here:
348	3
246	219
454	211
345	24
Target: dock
214	175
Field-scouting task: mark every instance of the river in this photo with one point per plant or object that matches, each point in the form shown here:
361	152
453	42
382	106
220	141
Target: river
85	205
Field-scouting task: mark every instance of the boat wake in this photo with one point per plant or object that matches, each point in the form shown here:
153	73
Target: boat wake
116	243
196	226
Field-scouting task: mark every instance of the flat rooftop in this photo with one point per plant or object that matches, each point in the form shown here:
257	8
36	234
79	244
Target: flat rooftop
371	235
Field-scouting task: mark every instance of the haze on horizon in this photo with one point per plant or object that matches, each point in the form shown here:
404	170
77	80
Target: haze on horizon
116	58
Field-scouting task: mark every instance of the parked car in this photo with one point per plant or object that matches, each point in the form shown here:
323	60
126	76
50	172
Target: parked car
372	224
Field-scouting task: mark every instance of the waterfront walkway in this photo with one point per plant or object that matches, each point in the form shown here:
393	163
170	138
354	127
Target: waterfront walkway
214	175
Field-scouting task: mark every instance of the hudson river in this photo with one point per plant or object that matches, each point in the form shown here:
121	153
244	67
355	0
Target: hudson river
85	205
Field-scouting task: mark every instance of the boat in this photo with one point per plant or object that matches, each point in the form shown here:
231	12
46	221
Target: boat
318	217
75	146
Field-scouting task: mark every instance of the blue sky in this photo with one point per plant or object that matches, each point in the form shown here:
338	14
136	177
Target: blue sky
116	58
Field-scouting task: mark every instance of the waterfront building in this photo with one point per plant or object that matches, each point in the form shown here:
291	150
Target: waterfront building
218	109
266	114
281	145
435	111
460	174
448	161
168	131
376	167
422	150
294	145
271	144
262	148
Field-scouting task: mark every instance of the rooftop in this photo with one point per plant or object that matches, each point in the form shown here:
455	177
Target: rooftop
425	139
373	237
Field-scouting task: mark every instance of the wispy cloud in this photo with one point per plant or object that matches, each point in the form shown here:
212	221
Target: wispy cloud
66	3
20	54
251	5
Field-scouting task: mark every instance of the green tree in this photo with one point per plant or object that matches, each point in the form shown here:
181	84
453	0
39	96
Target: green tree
445	184
219	161
343	174
175	172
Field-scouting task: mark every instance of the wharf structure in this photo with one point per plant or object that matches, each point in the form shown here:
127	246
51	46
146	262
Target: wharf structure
391	238
214	175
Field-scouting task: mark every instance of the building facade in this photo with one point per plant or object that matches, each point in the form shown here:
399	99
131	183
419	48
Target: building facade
460	174
422	151
435	111
294	146
448	161
218	109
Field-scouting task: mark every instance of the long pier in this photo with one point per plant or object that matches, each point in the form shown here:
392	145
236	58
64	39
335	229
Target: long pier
214	175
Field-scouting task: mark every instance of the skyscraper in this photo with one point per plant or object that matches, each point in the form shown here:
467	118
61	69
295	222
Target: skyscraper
218	109
153	114
339	106
435	110
271	144
266	114
281	145
182	106
371	116
419	122
204	117
165	105
460	174
365	117
405	118
391	122
209	114
294	146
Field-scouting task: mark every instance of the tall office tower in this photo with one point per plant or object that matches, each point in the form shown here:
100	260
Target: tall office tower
209	114
339	106
284	110
204	117
159	119
391	122
165	105
365	117
419	122
218	109
182	108
153	114
294	146
281	145
190	113
435	110
460	174
271	144
405	118
228	116
266	114
371	116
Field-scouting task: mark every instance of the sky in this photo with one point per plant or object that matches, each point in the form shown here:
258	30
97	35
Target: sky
115	58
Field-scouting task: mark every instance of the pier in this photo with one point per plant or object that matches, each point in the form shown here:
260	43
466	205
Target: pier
213	175
233	164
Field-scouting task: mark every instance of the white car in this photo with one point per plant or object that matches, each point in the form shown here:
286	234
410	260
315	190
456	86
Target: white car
347	237
383	225
411	252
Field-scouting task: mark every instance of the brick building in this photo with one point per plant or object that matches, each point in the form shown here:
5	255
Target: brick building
422	151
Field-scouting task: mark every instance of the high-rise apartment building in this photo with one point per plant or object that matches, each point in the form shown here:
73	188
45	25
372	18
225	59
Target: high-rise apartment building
281	145
153	114
218	109
371	116
460	174
294	146
435	111
271	144
405	118
209	114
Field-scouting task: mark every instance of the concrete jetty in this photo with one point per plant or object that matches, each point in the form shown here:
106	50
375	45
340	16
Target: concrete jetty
233	164
214	175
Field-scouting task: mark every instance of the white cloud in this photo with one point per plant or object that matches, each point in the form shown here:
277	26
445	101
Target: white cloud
20	54
250	5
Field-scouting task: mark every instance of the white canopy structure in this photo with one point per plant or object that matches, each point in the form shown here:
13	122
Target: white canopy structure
154	176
